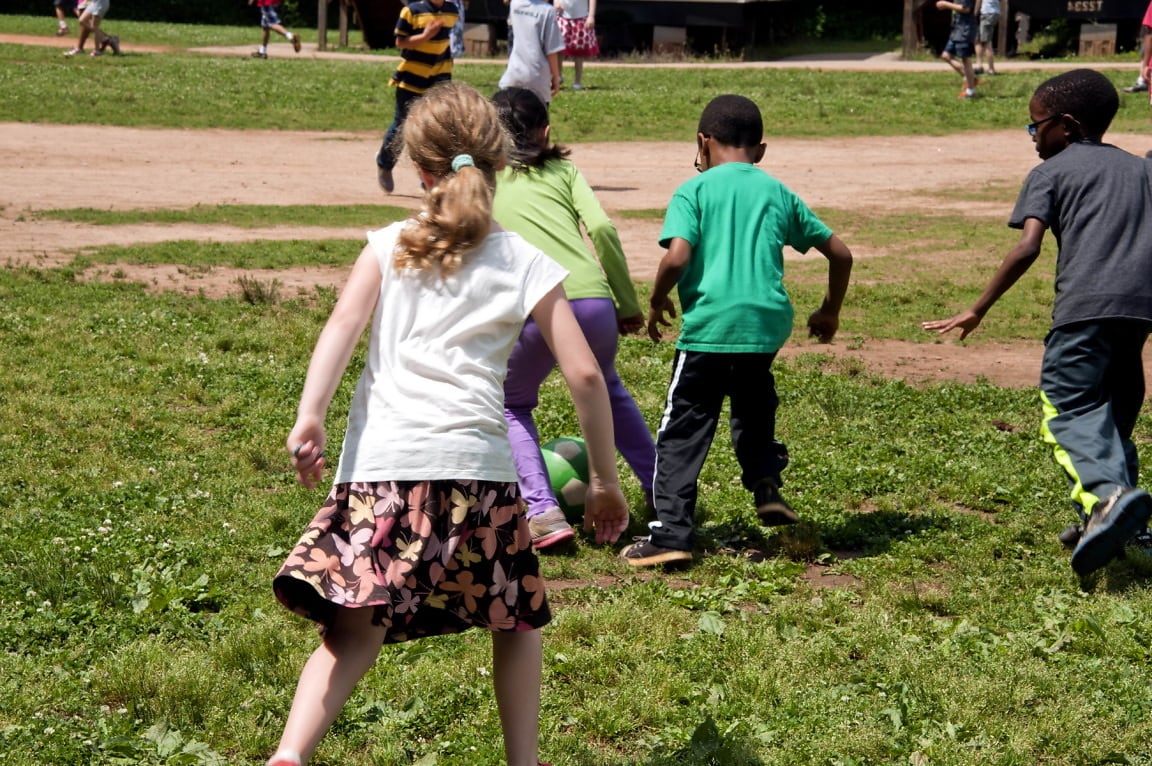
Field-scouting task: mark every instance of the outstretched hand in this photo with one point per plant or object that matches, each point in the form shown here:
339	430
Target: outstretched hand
605	511
967	321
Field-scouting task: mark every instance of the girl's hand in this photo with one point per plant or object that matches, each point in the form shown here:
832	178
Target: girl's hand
305	445
605	511
590	22
630	325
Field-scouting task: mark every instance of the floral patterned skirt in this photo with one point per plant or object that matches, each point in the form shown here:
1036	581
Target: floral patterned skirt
579	40
430	558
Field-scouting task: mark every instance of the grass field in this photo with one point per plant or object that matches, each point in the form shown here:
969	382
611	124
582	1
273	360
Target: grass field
923	613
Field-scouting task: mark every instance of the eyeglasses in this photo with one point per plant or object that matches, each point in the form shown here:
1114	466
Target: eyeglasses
1034	127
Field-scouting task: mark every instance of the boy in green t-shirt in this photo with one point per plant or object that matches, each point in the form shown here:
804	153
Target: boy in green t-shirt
725	231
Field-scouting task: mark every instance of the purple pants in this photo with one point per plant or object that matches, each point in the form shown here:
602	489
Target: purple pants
529	365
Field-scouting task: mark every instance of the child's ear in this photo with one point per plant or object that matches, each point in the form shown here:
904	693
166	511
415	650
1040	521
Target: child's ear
760	153
1073	130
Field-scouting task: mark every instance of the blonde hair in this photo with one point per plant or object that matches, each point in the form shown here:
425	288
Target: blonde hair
448	122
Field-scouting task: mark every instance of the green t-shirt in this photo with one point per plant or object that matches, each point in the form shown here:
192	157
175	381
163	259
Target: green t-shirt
737	220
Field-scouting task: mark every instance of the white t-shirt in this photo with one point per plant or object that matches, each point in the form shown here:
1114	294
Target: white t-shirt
535	35
578	9
430	402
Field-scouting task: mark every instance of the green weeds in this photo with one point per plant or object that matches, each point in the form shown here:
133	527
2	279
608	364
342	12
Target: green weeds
923	613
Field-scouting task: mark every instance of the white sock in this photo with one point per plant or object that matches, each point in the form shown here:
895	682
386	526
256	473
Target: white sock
289	36
263	49
1140	81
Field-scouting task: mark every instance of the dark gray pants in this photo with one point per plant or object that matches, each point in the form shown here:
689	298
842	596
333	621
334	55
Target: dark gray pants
1092	387
700	381
386	157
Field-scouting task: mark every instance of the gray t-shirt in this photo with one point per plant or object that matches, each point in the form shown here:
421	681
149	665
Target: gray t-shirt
964	23
1097	200
537	34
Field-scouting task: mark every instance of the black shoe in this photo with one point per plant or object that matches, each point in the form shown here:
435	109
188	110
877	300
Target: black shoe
1139	87
384	178
1070	535
978	70
1111	524
772	509
643	553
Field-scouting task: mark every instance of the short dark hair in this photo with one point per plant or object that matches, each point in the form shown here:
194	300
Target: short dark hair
733	121
1084	94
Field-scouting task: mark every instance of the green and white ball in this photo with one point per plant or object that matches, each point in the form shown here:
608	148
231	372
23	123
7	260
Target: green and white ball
567	461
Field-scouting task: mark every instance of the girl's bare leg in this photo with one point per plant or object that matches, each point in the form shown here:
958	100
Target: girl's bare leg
516	671
350	647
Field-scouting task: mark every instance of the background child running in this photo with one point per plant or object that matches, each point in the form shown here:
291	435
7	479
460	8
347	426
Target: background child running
725	231
534	61
64	9
92	13
961	42
423	532
1096	198
424	37
544	198
270	22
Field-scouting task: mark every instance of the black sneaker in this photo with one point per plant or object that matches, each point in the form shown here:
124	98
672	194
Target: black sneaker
772	509
1109	526
643	553
1070	535
1139	87
384	178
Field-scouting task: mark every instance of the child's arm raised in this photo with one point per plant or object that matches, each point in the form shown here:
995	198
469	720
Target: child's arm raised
1011	269
333	349
605	507
825	321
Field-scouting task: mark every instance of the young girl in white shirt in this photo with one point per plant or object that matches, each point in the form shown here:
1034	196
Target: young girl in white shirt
423	532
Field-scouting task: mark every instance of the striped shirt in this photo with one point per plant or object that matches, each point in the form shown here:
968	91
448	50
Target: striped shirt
431	61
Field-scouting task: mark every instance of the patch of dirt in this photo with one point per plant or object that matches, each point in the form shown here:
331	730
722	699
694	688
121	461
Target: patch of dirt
157	169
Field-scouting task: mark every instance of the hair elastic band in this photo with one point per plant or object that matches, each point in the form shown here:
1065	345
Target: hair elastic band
462	161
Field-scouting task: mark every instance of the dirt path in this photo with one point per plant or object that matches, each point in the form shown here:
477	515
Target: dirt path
158	169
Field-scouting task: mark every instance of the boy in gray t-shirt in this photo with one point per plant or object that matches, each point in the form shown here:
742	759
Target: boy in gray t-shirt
534	61
1097	200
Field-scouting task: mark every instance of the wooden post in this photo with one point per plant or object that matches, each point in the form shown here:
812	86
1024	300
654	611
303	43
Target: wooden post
910	41
322	26
343	23
913	29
